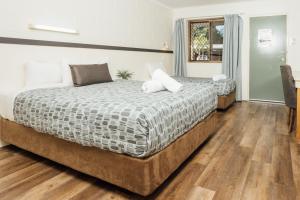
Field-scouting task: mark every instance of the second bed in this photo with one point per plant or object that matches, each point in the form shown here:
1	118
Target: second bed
225	89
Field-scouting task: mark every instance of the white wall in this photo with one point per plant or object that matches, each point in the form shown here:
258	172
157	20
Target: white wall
247	10
133	23
294	32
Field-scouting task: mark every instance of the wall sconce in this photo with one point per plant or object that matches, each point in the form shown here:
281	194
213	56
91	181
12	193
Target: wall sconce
291	41
165	46
52	28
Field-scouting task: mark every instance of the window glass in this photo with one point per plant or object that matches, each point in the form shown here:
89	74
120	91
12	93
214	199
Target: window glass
200	46
206	40
217	33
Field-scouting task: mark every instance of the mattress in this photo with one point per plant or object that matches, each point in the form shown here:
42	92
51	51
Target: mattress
116	116
7	104
223	87
7	98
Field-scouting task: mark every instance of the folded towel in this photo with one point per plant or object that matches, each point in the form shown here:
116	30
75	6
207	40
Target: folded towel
168	82
219	77
152	86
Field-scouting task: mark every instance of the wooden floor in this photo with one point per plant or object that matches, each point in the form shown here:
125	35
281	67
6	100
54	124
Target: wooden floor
250	157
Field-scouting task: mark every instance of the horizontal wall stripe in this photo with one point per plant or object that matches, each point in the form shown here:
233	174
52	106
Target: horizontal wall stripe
20	41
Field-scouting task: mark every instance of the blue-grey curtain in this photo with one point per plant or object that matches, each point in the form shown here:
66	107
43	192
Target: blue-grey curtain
180	52
233	30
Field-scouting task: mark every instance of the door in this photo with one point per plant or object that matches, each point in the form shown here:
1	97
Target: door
267	53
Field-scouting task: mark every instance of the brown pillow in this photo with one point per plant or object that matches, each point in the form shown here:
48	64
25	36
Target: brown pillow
90	74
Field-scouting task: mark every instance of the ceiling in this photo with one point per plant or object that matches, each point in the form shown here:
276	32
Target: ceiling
188	3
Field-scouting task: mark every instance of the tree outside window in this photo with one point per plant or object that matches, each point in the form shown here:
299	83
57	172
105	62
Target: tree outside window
206	40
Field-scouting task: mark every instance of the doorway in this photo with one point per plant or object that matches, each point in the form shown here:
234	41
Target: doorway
268	43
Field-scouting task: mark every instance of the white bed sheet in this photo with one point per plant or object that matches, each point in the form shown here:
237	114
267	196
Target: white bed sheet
7	99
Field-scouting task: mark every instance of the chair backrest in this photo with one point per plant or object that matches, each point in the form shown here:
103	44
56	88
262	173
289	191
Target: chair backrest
289	88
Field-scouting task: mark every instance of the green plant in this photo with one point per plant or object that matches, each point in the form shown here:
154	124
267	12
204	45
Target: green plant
124	74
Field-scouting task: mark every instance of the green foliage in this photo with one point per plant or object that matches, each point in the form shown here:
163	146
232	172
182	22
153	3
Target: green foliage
200	34
200	42
217	32
124	74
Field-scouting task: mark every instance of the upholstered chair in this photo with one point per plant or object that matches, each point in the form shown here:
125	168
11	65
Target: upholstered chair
290	97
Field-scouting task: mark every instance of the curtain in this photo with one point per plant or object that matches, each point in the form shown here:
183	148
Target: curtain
233	29
180	51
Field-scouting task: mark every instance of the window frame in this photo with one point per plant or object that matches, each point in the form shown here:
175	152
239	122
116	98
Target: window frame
190	22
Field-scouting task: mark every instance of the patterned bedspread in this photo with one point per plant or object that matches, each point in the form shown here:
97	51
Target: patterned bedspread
223	87
116	116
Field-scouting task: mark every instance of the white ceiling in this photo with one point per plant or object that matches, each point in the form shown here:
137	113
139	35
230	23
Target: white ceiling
188	3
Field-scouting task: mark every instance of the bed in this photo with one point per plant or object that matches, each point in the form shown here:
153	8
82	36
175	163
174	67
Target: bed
113	131
225	89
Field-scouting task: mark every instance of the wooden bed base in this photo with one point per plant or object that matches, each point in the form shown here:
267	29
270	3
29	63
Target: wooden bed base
141	176
225	102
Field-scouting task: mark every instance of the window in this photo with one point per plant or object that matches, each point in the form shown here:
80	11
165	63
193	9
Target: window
206	40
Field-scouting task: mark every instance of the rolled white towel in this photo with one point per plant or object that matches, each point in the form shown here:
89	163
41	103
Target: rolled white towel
219	77
152	86
168	82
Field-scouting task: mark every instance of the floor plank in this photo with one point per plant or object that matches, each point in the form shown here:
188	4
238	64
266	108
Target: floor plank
199	193
175	188
20	175
281	161
258	184
295	155
252	156
14	163
93	192
264	146
25	185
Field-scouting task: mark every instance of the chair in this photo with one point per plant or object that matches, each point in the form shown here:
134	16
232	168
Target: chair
290	97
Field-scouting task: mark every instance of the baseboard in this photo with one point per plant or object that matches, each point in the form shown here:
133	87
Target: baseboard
266	101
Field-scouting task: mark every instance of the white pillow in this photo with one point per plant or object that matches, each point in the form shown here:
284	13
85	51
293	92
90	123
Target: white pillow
218	77
42	73
66	71
151	67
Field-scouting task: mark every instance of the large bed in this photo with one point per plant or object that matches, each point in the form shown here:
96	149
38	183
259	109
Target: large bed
225	89
113	131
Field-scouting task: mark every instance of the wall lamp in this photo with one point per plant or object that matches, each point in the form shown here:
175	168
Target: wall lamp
52	28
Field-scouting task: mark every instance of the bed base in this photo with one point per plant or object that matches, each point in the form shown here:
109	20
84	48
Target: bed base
140	176
224	102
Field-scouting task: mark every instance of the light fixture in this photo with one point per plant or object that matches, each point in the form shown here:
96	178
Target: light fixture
165	46
52	28
291	41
